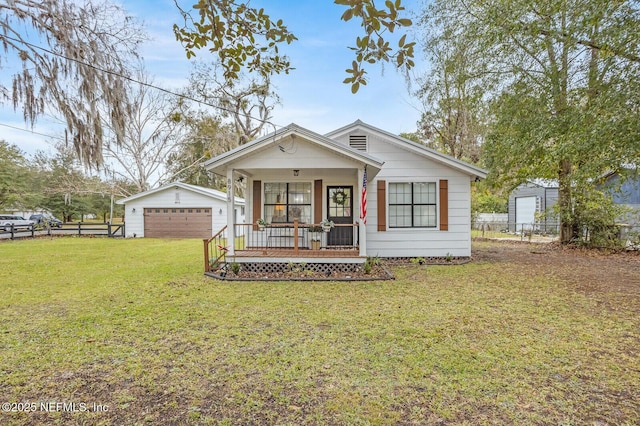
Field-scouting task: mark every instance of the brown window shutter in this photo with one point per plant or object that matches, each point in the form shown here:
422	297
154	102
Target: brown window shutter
444	205
257	202
317	201
382	205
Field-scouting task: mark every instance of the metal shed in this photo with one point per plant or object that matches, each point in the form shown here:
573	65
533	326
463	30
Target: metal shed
530	206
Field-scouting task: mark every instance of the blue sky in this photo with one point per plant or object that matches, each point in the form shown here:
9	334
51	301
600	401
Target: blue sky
312	95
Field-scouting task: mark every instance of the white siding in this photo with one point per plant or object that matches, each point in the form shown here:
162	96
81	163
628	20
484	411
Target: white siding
300	154
404	166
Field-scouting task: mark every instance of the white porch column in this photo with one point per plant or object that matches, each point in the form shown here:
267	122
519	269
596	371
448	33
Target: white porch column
231	230
362	229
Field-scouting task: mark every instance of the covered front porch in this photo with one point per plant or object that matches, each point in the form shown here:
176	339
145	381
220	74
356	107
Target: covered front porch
278	243
294	182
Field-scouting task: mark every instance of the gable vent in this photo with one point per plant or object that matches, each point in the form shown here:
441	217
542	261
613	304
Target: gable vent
358	142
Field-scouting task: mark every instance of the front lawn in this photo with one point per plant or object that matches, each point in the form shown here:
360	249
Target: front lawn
132	330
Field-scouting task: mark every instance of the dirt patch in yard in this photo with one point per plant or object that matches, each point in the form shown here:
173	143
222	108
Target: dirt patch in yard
587	271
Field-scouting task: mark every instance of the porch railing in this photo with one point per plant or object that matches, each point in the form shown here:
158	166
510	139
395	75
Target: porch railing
295	236
215	250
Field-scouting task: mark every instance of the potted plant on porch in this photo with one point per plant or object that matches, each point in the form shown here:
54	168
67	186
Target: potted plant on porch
326	225
316	237
261	224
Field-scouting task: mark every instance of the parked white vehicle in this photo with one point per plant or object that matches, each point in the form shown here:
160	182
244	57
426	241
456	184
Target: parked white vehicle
18	222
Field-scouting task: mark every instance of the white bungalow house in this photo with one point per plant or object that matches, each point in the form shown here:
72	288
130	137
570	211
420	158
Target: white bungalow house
179	210
417	200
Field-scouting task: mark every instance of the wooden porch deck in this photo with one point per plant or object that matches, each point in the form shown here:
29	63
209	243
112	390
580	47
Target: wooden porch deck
275	253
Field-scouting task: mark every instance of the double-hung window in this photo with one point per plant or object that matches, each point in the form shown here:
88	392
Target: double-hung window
412	205
286	202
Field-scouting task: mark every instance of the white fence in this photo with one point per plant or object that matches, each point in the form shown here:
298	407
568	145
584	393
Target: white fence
497	225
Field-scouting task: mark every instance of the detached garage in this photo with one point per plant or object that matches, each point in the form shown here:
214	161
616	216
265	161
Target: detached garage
178	210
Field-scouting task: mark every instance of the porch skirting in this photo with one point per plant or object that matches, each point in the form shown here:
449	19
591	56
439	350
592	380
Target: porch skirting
300	271
325	268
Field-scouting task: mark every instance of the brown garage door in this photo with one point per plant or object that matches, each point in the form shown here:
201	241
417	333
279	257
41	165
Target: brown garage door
177	223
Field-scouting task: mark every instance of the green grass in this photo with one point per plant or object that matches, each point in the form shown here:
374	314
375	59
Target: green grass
133	325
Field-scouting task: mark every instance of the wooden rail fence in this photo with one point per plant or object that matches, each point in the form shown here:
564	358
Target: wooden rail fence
68	228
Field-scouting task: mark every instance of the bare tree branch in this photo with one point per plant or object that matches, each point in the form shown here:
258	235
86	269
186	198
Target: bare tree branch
152	131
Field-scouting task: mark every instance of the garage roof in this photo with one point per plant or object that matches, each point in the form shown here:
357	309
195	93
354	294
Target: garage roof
209	192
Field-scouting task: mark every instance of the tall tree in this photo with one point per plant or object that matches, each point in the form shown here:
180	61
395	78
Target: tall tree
567	93
206	137
74	55
15	177
452	91
152	130
65	186
248	102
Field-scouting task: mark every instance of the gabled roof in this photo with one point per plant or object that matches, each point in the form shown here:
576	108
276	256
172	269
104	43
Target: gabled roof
414	147
631	168
207	192
292	129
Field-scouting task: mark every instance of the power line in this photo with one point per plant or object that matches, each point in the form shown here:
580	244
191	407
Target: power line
199	101
31	131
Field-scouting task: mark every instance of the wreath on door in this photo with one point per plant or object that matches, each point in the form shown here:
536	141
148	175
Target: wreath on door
340	197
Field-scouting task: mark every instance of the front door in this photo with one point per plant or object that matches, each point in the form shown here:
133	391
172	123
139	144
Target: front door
340	211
